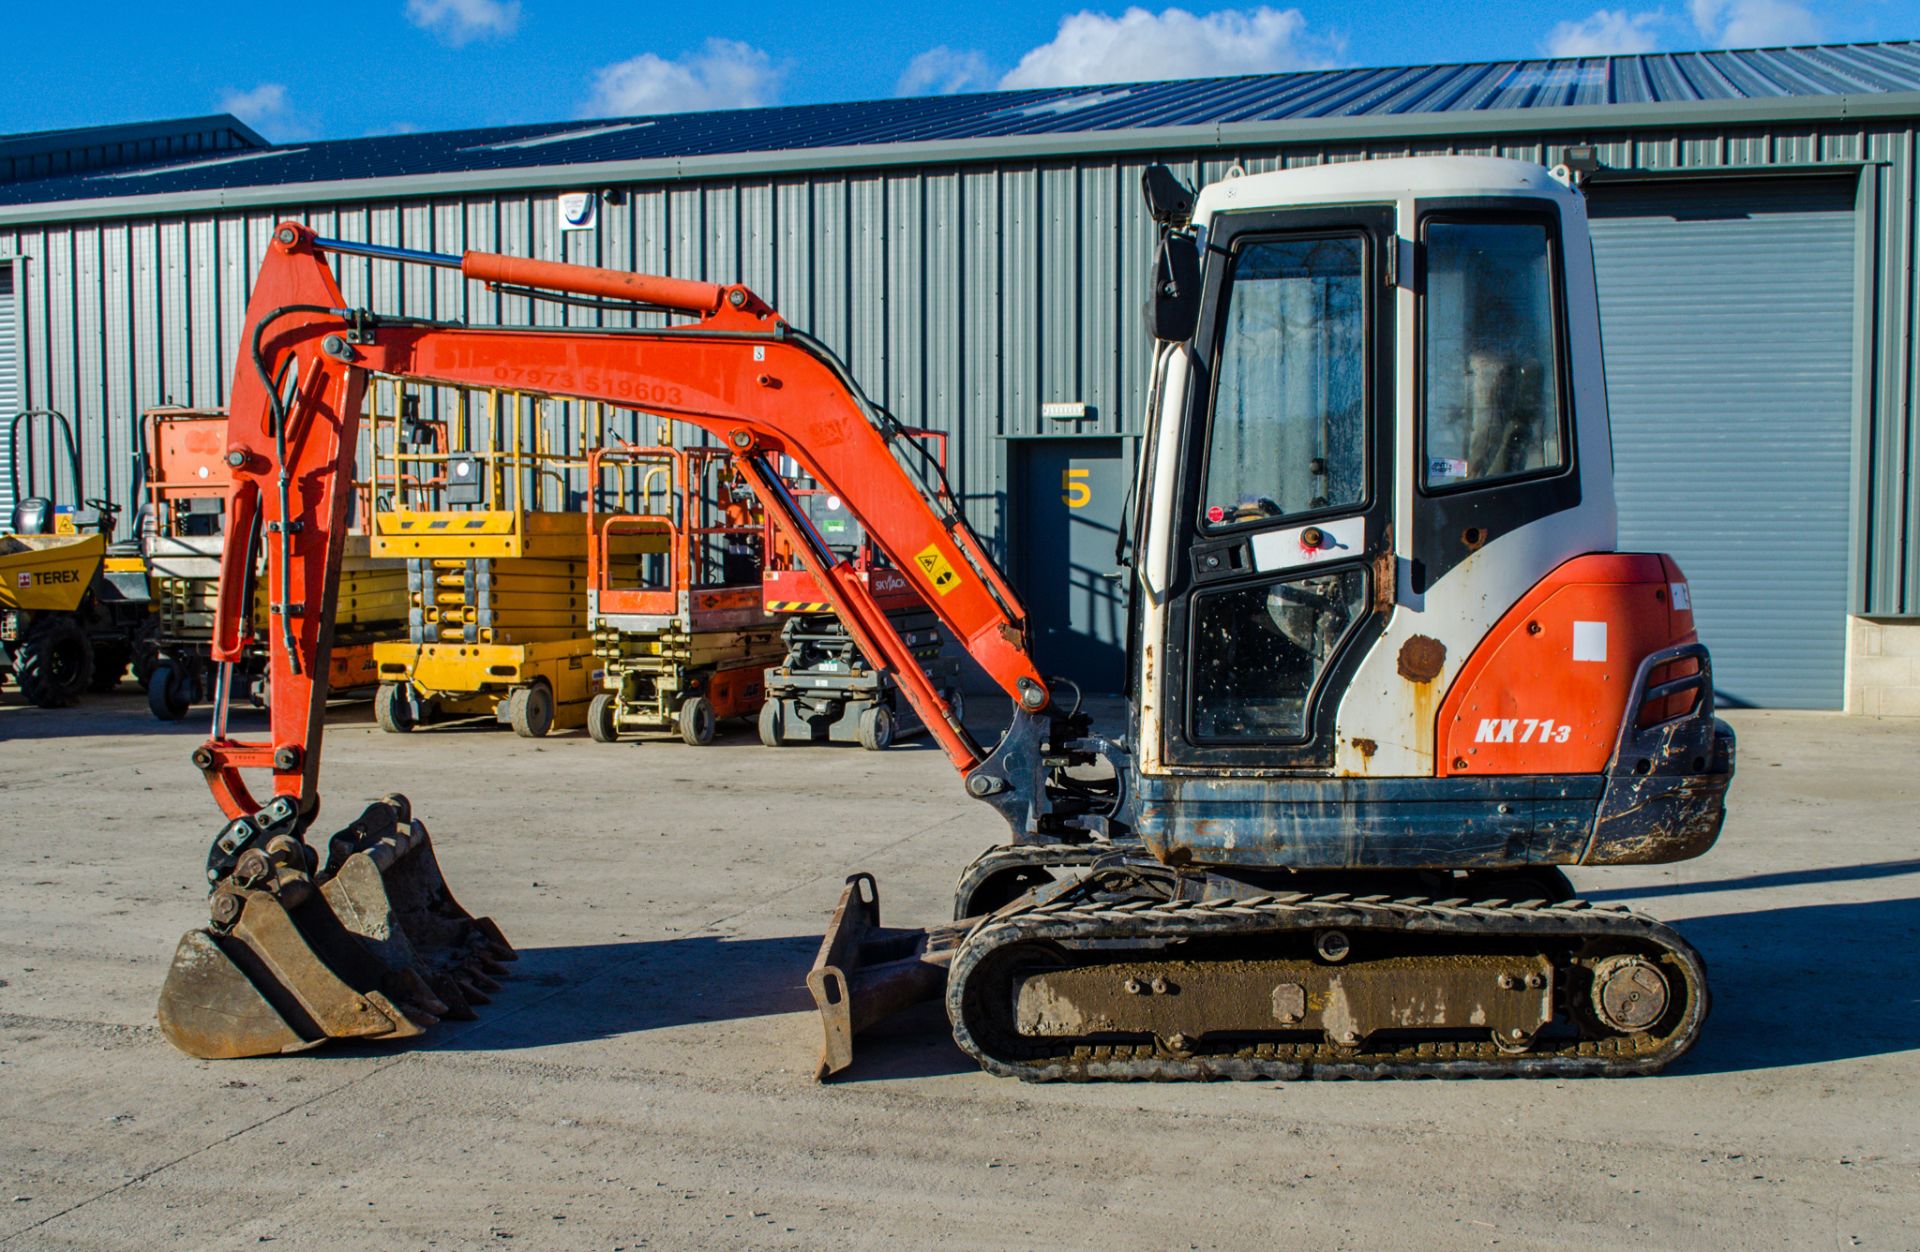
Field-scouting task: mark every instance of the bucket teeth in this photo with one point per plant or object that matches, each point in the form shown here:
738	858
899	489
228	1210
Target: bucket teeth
381	950
459	1008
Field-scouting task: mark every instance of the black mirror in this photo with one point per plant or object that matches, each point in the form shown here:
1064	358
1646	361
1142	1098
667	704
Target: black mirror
1173	304
1169	201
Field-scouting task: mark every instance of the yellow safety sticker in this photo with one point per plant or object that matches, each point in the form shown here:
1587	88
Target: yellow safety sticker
937	568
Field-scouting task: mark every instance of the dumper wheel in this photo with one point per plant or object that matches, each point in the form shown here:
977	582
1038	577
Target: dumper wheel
530	710
697	722
393	709
600	719
876	729
772	724
169	692
54	663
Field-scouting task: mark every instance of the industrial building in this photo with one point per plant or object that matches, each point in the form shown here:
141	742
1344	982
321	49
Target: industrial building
980	262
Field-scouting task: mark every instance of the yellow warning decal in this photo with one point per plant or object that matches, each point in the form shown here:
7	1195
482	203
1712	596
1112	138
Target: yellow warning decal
937	568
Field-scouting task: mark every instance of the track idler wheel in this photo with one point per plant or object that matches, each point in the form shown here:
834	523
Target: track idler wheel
373	946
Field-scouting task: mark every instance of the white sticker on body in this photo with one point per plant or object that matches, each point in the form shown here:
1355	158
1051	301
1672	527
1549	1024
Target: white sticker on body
1681	597
1590	641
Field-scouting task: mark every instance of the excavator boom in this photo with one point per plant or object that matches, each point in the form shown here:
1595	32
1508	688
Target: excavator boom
737	371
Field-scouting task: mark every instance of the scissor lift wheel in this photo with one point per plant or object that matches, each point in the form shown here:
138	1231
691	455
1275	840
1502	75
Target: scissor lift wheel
697	722
393	709
530	710
600	719
876	729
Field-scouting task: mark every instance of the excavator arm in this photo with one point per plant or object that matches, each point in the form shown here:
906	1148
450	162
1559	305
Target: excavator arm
737	371
284	963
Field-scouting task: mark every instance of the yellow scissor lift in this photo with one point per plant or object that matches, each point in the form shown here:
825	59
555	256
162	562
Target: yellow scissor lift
674	558
496	558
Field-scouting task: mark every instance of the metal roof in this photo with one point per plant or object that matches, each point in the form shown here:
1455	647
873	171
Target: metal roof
1683	86
46	154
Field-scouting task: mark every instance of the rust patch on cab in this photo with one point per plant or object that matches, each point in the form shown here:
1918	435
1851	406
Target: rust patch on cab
1421	659
1366	748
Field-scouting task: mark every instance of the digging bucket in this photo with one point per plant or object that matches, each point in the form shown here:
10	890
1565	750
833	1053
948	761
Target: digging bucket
373	946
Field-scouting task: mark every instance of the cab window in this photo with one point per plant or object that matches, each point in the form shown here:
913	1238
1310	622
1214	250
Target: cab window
1288	432
1492	383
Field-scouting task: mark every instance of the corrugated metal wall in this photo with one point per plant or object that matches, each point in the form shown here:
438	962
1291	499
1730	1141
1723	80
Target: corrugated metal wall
964	297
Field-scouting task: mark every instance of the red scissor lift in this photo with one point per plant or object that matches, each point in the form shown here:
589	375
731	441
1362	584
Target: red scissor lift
674	556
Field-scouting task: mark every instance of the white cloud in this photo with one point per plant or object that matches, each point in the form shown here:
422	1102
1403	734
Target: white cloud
459	22
1606	32
1092	47
267	109
942	71
1756	23
723	74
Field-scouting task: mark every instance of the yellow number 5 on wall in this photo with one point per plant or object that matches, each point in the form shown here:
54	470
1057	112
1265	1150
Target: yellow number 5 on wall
1074	488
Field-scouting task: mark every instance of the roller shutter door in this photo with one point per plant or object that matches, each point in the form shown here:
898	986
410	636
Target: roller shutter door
1729	321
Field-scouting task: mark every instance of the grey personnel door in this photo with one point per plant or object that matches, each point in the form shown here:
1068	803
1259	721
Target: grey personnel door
1068	495
1728	312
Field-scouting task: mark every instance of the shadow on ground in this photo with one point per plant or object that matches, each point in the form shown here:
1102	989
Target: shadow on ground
124	712
1760	882
591	992
1794	986
1799	986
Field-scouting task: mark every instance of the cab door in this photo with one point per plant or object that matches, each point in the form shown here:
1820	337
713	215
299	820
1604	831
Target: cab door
1283	518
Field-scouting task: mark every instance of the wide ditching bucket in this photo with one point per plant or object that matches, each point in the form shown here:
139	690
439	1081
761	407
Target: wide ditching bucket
373	946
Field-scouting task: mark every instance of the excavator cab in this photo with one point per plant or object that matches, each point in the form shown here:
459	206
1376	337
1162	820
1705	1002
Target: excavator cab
1376	550
1388	675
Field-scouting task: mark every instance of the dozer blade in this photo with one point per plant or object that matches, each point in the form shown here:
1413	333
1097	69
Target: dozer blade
381	951
866	972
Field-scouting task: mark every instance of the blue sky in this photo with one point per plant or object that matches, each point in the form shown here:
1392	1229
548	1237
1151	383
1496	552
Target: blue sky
367	67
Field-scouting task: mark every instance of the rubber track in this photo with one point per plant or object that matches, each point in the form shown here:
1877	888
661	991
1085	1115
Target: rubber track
1575	920
1044	856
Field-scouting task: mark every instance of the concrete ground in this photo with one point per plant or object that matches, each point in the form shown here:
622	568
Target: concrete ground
644	1078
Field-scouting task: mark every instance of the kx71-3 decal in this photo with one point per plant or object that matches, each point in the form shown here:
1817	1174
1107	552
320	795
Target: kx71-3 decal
1521	730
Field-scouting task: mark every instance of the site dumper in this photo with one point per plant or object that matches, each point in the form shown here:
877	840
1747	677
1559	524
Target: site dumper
681	640
75	609
496	561
825	689
188	480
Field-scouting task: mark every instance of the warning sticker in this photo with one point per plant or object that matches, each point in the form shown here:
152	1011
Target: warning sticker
937	568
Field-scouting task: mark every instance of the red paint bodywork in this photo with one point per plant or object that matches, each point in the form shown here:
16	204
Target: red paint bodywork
1523	677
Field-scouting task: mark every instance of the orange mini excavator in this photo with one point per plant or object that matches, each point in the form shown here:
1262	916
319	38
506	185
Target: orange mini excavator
1388	672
